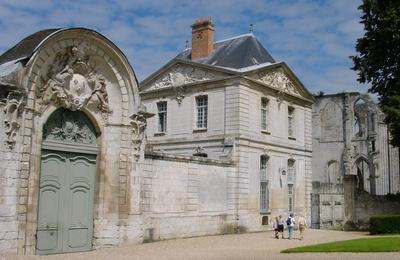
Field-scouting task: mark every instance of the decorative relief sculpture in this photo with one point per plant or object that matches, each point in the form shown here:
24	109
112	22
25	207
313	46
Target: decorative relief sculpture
278	80
69	127
12	110
182	75
138	124
72	82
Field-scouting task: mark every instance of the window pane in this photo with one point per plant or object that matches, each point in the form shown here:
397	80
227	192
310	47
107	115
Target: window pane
162	116
264	114
264	191
202	103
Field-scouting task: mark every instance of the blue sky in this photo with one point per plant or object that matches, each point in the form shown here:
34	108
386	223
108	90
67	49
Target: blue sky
315	38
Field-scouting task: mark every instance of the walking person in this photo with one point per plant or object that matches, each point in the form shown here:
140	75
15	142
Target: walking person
290	222
302	225
281	225
276	227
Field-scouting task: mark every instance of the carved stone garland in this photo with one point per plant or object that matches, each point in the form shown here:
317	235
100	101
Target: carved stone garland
73	83
180	76
279	80
14	105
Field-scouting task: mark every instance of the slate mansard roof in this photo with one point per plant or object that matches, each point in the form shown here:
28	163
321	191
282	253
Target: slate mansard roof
26	46
237	53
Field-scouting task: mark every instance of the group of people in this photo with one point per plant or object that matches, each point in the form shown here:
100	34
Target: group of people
290	222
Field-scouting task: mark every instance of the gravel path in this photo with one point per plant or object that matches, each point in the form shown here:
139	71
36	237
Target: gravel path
244	246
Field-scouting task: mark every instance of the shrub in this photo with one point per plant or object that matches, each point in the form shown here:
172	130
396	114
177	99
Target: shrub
384	224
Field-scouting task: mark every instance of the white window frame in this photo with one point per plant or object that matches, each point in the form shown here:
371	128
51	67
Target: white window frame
162	110
264	183
291	197
201	113
291	171
264	114
291	122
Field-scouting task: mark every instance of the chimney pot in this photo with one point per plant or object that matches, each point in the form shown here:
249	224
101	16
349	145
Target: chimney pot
202	38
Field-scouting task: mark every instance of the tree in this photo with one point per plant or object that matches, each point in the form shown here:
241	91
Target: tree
378	59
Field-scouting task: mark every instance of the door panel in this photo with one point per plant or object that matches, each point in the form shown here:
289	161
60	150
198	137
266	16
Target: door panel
81	199
50	202
66	199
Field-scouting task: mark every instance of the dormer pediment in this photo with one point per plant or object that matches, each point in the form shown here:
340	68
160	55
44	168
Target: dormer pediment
281	78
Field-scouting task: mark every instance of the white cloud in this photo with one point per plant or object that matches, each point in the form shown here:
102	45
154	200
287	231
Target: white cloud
314	37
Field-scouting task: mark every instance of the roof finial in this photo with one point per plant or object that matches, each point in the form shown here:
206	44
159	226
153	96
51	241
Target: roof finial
187	44
251	29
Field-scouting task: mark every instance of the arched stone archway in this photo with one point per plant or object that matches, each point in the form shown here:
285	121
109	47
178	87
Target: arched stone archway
80	71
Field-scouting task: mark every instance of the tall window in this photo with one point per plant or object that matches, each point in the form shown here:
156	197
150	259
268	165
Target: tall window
264	184
162	116
291	171
291	175
291	122
264	114
202	107
290	198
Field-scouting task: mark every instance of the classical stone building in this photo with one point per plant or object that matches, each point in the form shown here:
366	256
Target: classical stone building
229	146
353	163
231	101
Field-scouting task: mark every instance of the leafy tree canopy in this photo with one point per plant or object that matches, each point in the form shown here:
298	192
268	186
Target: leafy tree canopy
378	59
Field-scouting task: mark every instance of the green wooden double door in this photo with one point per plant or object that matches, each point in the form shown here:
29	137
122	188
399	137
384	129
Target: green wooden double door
66	201
67	183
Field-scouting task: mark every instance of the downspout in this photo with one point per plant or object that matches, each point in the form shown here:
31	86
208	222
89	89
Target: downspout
388	157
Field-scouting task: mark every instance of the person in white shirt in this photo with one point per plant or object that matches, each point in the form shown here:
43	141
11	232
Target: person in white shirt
290	224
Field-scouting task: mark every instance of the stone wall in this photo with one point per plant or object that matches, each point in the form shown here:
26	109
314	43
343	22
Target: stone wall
367	205
183	196
10	158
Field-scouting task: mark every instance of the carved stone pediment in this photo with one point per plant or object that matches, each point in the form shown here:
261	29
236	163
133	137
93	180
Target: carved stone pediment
180	75
279	80
72	82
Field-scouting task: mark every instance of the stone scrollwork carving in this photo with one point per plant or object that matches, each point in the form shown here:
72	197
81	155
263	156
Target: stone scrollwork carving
72	82
278	80
182	75
14	105
138	124
69	127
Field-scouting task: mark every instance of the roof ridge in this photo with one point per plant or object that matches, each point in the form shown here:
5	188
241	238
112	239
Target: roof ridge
228	39
236	37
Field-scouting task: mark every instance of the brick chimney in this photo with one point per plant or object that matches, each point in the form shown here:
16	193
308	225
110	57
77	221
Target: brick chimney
202	38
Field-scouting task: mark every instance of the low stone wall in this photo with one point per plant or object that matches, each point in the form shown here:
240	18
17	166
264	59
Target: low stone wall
185	196
367	205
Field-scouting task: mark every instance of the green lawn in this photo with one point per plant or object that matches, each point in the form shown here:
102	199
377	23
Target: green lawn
376	244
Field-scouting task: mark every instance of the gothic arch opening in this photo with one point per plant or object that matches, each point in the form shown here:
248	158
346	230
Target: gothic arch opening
362	171
333	172
360	118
